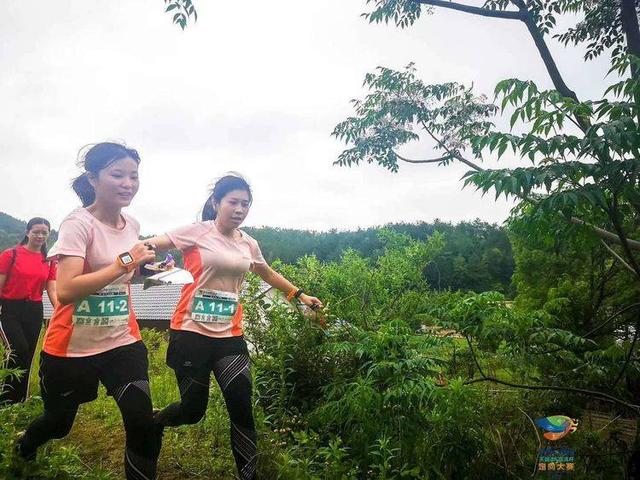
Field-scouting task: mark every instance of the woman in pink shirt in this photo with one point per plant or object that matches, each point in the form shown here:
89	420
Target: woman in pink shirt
93	336
206	328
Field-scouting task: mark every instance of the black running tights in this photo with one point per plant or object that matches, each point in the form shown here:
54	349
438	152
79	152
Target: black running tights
143	436
233	377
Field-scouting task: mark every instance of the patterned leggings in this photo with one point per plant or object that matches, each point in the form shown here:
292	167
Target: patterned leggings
233	377
143	436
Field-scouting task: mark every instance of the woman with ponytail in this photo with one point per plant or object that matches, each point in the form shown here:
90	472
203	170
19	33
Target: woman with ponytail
206	328
24	274
93	336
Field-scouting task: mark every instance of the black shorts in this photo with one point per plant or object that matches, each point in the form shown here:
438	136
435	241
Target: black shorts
195	355
70	381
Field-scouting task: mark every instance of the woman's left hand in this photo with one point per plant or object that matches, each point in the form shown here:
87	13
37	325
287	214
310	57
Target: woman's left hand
312	302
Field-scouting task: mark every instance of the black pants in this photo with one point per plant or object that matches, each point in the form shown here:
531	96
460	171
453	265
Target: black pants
194	357
20	325
65	383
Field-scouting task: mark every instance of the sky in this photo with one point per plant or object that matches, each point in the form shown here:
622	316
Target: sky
255	87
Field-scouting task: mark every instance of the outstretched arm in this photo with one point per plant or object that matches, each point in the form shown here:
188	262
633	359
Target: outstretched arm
160	242
276	280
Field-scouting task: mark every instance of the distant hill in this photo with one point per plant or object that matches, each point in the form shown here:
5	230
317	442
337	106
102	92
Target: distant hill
12	230
477	255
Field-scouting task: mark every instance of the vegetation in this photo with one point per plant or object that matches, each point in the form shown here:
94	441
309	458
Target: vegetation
395	386
408	381
476	255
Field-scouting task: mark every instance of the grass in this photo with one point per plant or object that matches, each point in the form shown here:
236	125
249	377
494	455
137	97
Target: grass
95	446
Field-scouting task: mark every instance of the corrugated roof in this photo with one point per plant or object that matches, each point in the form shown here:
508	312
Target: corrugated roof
155	303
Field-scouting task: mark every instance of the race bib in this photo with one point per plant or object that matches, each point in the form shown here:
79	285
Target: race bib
108	307
214	306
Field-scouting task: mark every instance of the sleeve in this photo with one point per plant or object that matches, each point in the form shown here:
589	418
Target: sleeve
256	253
73	239
5	261
53	270
186	236
134	223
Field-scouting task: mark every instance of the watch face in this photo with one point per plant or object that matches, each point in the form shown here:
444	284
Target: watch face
126	258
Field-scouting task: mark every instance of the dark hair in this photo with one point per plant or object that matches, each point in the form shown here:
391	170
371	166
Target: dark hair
224	185
32	223
96	158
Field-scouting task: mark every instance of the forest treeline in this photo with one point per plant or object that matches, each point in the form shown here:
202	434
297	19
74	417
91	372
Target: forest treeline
476	256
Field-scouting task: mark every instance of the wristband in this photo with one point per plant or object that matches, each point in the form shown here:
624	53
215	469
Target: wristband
291	293
298	293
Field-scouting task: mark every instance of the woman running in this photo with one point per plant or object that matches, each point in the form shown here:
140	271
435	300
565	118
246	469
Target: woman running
93	335
206	328
24	274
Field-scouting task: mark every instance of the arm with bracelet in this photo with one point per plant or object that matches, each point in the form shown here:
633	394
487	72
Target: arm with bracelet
276	280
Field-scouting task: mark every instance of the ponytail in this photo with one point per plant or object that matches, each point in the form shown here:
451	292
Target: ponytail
84	189
208	212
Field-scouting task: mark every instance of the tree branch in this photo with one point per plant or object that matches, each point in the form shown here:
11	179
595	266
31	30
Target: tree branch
628	359
451	153
630	26
599	232
581	391
616	256
558	82
468	162
611	318
606	235
617	225
432	160
543	49
523	15
485	12
535	466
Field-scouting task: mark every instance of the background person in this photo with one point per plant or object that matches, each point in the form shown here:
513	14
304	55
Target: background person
24	274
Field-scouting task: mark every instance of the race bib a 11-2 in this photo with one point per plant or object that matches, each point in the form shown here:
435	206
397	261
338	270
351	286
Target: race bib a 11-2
108	307
214	306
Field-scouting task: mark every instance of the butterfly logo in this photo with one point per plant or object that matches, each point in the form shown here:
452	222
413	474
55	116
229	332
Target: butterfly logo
557	426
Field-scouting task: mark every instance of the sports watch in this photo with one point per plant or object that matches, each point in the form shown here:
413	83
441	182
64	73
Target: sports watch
126	260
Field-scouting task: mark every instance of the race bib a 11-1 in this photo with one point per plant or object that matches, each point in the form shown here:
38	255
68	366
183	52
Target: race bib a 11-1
108	307
214	306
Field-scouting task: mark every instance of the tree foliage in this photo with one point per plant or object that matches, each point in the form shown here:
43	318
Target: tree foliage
182	11
577	221
583	154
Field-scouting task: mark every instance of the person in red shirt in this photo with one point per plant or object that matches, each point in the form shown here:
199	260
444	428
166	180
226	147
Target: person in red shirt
24	274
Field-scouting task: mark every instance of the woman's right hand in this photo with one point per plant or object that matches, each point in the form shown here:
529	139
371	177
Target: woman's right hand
142	253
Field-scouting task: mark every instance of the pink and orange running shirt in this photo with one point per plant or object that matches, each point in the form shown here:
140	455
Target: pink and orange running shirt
104	320
210	306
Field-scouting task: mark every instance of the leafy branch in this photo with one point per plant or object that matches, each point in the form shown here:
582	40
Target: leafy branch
182	10
580	391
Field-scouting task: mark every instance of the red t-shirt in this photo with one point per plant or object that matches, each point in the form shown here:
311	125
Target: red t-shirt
29	274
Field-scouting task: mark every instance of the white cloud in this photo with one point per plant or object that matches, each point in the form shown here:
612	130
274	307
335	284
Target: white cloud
253	86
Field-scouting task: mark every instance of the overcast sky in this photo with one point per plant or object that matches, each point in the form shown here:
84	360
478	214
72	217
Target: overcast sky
253	86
